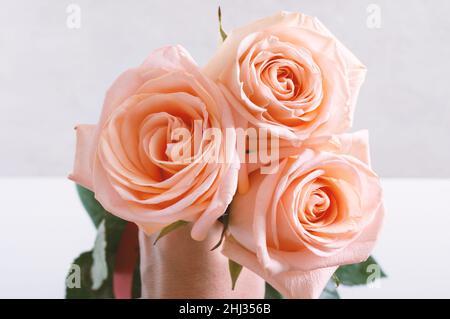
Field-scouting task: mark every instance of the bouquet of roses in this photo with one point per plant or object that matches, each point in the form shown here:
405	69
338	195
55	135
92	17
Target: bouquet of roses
254	143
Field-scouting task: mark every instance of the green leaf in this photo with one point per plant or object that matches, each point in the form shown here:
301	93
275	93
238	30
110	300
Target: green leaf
359	274
235	271
224	219
97	266
223	34
79	281
92	206
88	272
114	227
272	293
99	269
330	291
168	229
336	280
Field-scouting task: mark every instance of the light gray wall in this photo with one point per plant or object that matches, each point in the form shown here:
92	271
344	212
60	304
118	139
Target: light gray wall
53	77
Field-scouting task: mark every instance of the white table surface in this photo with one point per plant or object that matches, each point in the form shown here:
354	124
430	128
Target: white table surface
44	227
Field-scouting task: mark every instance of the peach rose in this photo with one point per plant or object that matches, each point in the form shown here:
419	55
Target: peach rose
137	163
289	74
321	210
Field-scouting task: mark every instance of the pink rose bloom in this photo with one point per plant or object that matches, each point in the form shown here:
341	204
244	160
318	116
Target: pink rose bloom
135	160
289	74
321	210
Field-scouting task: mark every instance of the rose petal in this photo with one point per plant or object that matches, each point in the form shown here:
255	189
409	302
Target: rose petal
82	170
293	284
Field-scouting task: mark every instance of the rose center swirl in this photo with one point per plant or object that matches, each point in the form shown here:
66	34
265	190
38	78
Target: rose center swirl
317	205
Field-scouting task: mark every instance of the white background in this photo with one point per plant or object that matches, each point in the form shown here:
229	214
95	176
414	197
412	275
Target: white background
53	77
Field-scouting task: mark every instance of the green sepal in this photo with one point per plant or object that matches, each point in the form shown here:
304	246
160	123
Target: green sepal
235	271
222	32
170	228
272	293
